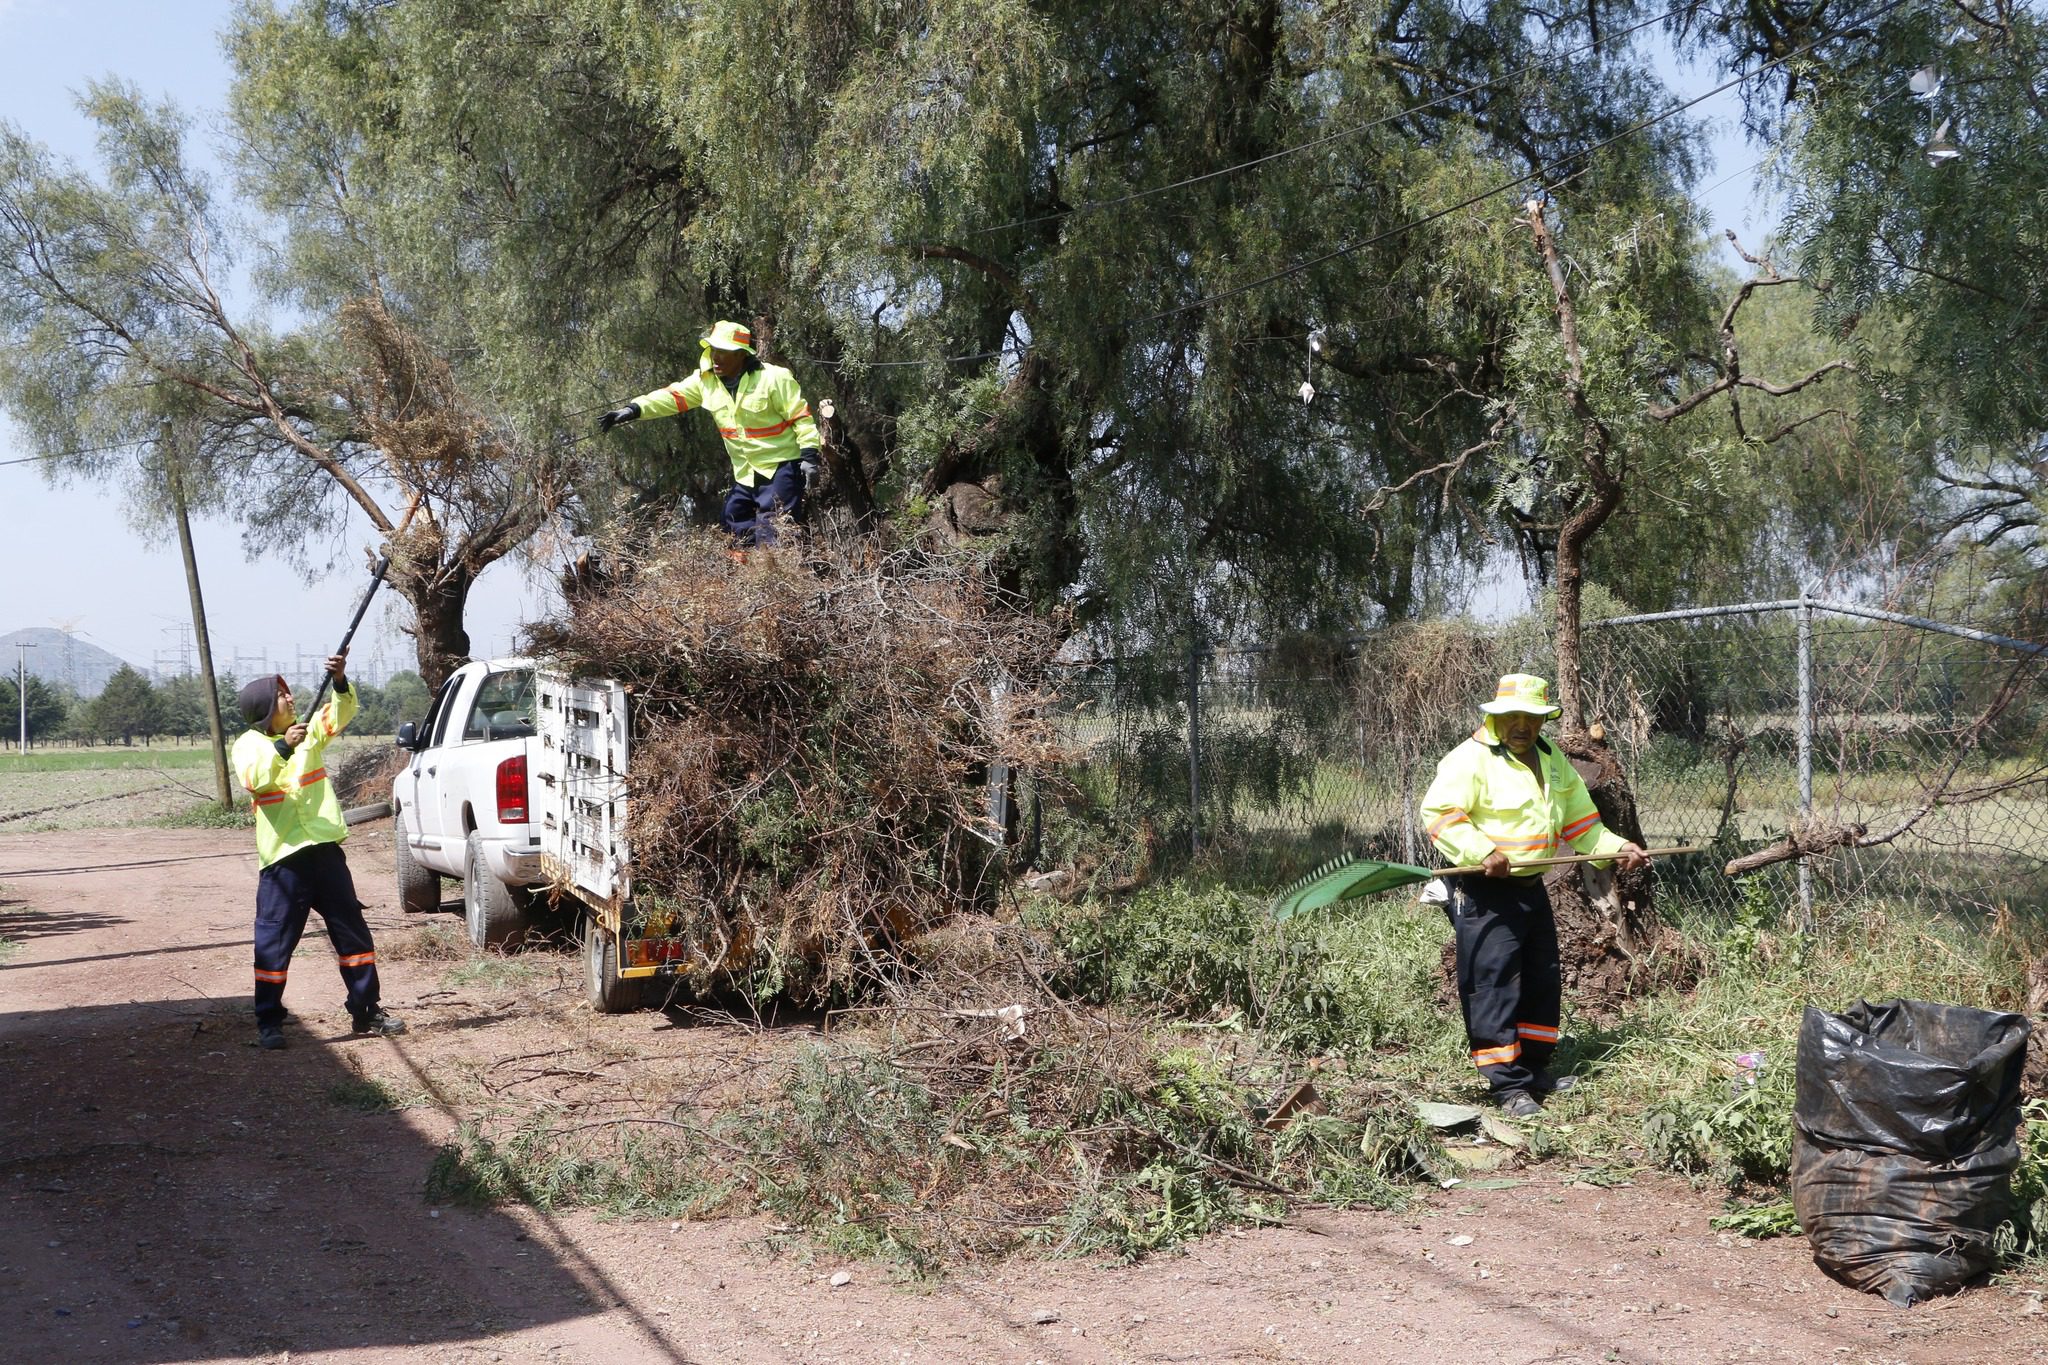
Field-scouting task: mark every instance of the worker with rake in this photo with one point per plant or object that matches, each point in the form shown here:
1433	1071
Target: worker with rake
282	761
769	433
1503	798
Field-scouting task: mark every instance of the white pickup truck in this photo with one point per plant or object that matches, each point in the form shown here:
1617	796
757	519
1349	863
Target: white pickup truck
516	785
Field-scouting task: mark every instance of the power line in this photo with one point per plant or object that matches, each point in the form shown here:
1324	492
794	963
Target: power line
1328	138
70	454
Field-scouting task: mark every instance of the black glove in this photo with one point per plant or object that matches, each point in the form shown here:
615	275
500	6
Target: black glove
809	458
629	413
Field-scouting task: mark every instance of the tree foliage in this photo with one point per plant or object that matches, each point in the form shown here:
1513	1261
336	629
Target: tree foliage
1058	266
48	709
128	708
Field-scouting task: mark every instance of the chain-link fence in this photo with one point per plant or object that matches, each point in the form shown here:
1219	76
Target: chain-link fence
1274	758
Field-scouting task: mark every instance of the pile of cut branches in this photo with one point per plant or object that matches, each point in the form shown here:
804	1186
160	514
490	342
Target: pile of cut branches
813	742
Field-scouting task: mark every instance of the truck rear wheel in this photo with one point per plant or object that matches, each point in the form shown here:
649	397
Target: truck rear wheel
603	987
419	887
489	912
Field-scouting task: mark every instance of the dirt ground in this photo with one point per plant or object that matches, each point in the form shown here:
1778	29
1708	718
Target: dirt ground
173	1194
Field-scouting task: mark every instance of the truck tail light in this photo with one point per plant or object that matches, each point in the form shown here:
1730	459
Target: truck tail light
512	791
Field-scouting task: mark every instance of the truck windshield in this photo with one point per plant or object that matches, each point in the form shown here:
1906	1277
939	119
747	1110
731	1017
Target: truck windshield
503	708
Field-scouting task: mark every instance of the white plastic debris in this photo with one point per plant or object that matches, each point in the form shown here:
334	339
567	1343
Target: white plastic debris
1941	151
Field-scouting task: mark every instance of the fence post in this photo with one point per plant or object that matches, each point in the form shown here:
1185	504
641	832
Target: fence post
1194	745
1805	754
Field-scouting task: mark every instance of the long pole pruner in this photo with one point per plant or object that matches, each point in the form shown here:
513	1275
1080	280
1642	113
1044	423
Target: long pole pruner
377	572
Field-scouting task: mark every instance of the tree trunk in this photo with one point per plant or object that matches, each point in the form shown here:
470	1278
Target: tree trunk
440	641
176	478
1613	945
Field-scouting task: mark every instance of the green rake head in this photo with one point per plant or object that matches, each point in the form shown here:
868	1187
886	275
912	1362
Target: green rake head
1343	878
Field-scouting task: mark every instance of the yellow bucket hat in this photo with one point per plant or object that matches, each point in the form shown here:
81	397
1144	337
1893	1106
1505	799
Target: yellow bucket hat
1522	692
729	336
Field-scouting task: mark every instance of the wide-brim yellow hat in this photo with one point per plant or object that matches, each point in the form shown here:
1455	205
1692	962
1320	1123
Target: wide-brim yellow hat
1523	692
730	336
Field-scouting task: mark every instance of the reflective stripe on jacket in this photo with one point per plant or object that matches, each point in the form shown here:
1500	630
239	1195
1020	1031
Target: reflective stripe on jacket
1484	799
296	806
763	417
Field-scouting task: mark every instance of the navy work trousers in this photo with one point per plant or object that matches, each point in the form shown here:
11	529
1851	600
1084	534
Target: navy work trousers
1510	984
313	878
753	516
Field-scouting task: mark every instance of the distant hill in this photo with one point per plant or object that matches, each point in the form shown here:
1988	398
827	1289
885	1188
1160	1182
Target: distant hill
62	659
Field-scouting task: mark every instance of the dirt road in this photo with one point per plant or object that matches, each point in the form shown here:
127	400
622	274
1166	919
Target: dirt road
172	1194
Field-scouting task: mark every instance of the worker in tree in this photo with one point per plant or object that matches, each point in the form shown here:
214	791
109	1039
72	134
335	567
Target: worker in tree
767	426
1501	799
299	830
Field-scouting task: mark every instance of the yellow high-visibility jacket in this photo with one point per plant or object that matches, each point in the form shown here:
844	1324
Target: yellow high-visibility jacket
764	418
1484	798
296	806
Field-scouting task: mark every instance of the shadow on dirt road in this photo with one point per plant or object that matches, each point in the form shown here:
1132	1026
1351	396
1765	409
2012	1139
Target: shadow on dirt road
174	1194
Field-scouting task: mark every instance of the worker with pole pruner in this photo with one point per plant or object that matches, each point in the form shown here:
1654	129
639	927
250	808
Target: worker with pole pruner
282	761
769	433
1502	799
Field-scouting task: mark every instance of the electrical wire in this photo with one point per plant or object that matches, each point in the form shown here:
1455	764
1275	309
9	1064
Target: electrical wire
1136	195
72	454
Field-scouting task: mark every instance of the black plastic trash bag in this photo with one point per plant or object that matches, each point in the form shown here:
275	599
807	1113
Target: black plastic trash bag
1903	1143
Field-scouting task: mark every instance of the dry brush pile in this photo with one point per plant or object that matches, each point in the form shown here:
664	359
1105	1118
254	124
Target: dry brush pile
813	741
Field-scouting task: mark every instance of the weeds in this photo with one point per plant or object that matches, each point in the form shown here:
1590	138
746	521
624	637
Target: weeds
428	943
1098	1078
210	815
367	1096
494	972
1761	1221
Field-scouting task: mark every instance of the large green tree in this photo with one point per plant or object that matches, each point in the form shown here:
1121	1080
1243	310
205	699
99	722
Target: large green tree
1916	158
993	234
47	710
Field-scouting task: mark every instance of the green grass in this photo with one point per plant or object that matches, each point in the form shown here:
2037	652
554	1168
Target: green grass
210	815
367	1096
95	760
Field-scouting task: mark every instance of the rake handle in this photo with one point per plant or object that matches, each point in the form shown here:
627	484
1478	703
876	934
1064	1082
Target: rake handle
1572	858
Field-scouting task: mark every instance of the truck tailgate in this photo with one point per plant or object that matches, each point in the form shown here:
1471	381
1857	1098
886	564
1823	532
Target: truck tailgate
578	789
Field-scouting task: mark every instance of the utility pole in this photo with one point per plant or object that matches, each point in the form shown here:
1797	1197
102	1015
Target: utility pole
21	649
174	473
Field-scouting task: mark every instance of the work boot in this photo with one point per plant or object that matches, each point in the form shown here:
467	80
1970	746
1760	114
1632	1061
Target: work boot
269	1037
379	1022
1547	1084
1520	1104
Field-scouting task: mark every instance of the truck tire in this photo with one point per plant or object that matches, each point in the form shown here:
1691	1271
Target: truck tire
603	987
419	887
489	912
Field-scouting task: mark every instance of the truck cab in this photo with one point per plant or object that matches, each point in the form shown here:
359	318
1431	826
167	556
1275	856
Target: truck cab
460	805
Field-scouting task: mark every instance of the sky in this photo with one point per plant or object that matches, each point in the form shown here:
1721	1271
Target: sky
72	554
70	557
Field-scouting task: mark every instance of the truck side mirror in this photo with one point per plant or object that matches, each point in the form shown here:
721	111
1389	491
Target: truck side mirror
408	736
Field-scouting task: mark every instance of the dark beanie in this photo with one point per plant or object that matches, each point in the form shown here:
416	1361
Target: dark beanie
259	699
